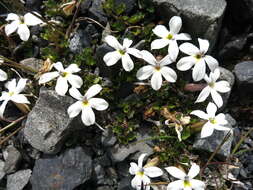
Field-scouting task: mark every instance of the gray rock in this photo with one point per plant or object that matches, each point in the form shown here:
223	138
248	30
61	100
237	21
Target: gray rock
125	184
2	172
81	39
96	11
63	172
108	138
33	63
12	158
33	4
48	124
201	18
18	180
210	143
129	4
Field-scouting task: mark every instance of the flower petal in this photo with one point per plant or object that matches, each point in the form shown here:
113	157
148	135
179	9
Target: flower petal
159	43
146	182
207	130
176	185
46	77
58	66
133	168
211	62
75	80
112	58
221	128
23	32
175	172
3	75
134	52
161	31
221	119
10	28
222	86
166	60
61	86
21	85
186	63
197	184
199	70
182	36
88	116
173	50
203	45
200	114
153	171
127	43
98	104
175	24
189	49
156	80
12	16
211	109
136	182
148	57
216	98
11	85
2	108
140	160
145	72
203	94
93	91
72	68
194	171
75	94
32	20
75	109
113	42
20	98
169	74
127	62
215	75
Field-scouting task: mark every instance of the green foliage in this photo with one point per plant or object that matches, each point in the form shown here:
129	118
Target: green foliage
86	57
52	8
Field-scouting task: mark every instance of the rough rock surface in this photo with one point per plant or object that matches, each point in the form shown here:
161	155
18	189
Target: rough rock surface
33	63
63	172
81	39
18	180
2	173
210	143
201	18
96	11
12	159
48	124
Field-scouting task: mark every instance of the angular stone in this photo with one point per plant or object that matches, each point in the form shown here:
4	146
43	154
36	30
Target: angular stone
2	172
64	172
201	18
80	40
48	124
210	143
33	63
96	11
12	158
18	180
108	138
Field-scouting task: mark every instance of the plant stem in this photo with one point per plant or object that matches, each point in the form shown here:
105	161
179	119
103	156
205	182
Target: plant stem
12	123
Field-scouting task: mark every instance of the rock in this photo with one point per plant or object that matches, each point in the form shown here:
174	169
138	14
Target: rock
48	124
2	172
210	144
108	138
85	5
96	11
12	158
33	63
125	184
201	18
129	4
18	180
63	172
33	4
81	39
244	79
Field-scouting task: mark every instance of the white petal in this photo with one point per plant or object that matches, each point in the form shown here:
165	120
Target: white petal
112	58
98	104
153	171
88	116
182	36
204	94
75	81
134	52
12	27
146	182
185	63
2	108
5	95
3	75
221	119
145	72
23	32
113	42
211	109
133	168
156	80
48	77
58	66
197	184
217	98
127	62
161	31
175	24
75	109
221	128
159	43
173	50
72	68
211	62
199	70
200	114
127	43
207	130
61	86
140	160
32	20
93	91
75	93
203	45
207	79
189	49
194	171
11	85
166	60
222	86
12	16
176	185
175	172
215	75
20	98
21	85
148	57
136	182
169	74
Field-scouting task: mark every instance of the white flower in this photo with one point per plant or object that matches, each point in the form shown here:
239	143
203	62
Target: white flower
213	88
122	52
186	181
170	37
86	103
142	174
213	122
157	69
13	94
20	24
3	75
64	76
197	58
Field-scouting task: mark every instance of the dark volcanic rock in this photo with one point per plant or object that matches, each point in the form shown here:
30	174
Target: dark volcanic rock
81	39
96	11
64	172
18	180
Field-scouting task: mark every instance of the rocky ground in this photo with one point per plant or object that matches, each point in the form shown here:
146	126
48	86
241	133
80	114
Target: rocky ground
48	150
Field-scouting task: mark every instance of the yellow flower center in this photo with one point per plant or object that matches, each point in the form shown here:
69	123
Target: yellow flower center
11	93
85	103
212	120
140	173
187	183
211	84
122	52
64	74
198	56
157	68
22	20
169	37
